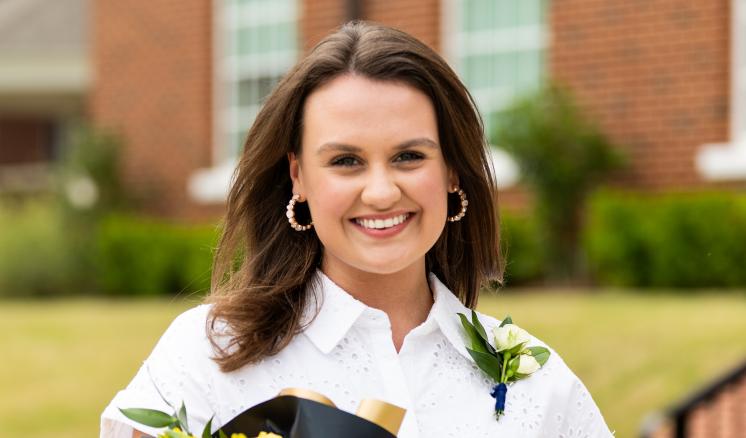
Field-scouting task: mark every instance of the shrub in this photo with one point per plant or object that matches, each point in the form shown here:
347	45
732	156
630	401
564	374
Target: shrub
675	240
521	243
139	256
35	256
562	154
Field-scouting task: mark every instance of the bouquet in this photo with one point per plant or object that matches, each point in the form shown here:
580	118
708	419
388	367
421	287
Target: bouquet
294	413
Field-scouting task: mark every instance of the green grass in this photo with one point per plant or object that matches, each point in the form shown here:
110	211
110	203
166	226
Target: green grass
64	360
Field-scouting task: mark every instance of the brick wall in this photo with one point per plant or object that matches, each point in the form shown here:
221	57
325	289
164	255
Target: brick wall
420	18
721	416
152	84
655	73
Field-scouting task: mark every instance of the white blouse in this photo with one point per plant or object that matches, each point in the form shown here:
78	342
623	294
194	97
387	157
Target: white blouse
347	354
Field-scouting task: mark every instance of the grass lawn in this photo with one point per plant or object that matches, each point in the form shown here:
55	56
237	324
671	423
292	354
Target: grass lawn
63	360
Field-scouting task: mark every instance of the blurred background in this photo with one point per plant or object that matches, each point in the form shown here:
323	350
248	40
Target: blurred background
618	133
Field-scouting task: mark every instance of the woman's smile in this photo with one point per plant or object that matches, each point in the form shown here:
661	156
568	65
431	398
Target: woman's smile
383	225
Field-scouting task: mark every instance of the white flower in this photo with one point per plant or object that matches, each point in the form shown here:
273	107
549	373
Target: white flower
508	336
527	364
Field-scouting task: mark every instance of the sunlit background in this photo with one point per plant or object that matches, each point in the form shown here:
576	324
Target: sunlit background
618	136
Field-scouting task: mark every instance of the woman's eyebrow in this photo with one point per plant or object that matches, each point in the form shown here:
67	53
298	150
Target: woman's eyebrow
343	147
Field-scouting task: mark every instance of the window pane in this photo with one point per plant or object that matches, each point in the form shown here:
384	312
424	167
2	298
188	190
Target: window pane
529	69
505	13
247	92
529	12
497	70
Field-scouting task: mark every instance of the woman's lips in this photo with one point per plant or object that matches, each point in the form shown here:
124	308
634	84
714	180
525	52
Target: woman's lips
382	232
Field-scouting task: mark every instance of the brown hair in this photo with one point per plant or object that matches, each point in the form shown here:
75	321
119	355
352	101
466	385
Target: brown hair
263	268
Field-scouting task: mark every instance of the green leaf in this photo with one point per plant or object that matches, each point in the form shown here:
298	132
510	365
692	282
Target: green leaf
208	428
477	343
507	320
182	416
488	363
148	417
480	329
478	325
541	354
222	434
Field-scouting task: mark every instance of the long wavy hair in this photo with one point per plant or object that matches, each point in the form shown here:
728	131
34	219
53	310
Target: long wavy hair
263	269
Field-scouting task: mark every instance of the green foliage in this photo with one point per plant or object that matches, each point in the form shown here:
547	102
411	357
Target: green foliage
34	250
522	246
137	256
150	417
562	154
94	155
45	253
676	240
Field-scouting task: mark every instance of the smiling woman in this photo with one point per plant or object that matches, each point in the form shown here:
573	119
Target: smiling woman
362	220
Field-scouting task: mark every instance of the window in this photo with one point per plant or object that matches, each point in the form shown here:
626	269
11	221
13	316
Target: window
498	48
260	45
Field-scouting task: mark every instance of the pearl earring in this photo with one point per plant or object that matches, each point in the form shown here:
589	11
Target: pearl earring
464	204
291	215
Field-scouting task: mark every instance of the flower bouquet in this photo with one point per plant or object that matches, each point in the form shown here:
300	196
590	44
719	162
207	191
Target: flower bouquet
294	413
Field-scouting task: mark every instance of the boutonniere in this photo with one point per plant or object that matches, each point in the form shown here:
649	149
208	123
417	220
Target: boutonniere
507	360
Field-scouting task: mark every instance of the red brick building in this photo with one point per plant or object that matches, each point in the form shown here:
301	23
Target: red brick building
715	411
181	81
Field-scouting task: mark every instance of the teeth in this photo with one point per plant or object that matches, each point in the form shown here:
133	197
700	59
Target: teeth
379	224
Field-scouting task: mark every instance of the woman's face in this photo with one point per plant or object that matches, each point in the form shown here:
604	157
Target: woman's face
373	174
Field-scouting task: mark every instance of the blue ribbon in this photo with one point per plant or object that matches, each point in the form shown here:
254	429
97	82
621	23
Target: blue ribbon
499	392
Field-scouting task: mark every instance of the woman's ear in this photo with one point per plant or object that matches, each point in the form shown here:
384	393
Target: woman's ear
452	179
295	174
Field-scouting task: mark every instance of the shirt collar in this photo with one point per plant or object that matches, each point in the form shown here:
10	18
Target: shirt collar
338	311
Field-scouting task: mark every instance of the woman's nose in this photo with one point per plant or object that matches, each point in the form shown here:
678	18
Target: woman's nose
381	190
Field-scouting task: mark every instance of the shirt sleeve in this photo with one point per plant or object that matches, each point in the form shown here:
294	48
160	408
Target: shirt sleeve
176	371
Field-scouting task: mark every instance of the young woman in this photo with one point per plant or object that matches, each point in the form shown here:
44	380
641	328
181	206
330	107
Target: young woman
362	219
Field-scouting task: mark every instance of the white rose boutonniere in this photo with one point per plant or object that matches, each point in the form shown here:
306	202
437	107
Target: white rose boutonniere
506	360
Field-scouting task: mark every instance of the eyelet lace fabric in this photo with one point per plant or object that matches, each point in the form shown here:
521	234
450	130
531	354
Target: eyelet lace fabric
347	354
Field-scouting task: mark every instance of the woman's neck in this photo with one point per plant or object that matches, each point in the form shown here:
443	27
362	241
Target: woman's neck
404	296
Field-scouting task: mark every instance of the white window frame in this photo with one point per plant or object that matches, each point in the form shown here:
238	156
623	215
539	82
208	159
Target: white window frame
727	161
505	168
211	185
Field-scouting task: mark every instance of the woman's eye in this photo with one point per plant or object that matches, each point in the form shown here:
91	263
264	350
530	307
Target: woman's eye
409	156
345	161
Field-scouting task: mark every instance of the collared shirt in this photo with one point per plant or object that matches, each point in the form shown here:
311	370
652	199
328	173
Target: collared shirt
347	353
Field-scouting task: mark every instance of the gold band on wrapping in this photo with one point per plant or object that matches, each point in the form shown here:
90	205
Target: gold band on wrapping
384	414
308	395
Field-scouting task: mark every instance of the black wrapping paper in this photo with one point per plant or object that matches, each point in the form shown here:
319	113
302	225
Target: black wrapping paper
294	417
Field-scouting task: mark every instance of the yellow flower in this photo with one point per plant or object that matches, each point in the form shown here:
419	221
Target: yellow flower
177	432
267	435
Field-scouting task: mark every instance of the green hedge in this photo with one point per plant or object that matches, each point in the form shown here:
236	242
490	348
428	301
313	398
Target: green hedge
35	256
138	256
46	251
522	247
680	240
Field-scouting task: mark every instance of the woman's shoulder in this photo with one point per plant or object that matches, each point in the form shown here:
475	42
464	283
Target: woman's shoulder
187	333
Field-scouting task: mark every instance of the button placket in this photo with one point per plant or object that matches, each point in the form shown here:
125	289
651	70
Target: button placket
394	382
